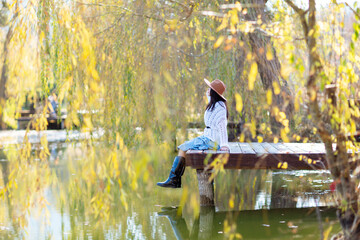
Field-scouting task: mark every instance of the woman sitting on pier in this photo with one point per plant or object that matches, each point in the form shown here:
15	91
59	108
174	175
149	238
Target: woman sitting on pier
215	134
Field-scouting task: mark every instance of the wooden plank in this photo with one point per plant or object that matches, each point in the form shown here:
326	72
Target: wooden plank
295	147
269	148
195	158
282	148
253	161
234	147
258	148
314	147
307	147
312	157
194	152
246	148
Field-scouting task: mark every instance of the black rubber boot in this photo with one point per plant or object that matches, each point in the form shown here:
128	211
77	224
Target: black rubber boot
177	170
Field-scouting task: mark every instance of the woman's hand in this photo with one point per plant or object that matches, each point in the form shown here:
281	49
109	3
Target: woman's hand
224	148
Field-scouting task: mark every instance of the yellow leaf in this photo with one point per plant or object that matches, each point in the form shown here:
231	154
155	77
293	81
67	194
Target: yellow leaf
327	232
42	36
312	95
260	139
283	135
276	140
123	200
183	199
296	105
282	115
234	16
286	71
242	137
285	165
94	74
314	130
94	86
269	55
219	42
87	122
239	102
231	202
169	78
276	88
269	97
223	24
172	24
252	75
311	32
73	59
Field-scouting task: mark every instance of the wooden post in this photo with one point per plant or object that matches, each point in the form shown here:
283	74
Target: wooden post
206	222
206	188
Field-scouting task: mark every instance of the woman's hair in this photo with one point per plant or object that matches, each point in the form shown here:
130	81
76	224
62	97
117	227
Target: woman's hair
215	97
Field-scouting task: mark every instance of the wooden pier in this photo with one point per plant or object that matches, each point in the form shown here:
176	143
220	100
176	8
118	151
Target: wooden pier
286	156
54	122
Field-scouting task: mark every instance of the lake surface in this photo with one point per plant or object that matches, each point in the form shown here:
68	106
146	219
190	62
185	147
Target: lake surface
249	204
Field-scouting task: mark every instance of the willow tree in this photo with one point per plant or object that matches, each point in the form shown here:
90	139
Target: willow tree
4	22
268	64
328	58
334	113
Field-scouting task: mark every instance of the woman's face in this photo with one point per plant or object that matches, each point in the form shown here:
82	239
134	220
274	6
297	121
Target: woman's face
208	95
208	92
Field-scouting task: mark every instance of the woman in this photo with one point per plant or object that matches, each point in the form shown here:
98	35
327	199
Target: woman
214	137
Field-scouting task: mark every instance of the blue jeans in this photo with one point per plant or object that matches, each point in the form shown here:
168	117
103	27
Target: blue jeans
199	143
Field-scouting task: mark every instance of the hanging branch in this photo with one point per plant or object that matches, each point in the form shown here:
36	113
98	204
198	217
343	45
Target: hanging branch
301	14
189	9
181	4
5	68
122	8
314	60
115	23
353	10
191	54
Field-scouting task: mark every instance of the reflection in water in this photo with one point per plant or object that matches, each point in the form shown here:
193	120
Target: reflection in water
69	209
265	189
9	227
253	224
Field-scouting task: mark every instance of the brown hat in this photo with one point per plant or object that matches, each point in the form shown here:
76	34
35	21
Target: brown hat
218	86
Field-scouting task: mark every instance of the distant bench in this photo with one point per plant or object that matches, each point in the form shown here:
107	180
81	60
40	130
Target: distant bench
53	122
289	156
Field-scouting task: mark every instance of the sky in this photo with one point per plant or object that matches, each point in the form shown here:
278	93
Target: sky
321	3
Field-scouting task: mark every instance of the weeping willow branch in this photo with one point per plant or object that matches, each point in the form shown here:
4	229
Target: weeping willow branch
189	10
110	27
122	8
181	4
353	10
5	68
316	68
191	54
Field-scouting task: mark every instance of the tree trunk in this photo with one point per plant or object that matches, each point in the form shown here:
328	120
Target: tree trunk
5	69
269	67
338	161
4	76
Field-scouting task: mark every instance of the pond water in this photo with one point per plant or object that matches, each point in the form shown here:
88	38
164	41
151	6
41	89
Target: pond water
249	204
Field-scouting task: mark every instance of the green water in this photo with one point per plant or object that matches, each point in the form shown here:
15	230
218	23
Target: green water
249	204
